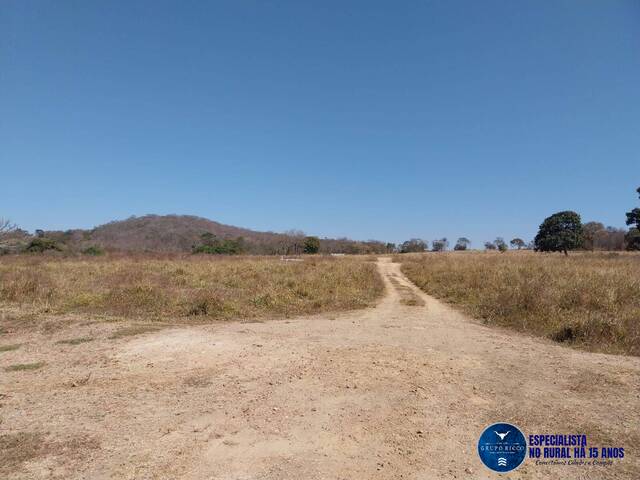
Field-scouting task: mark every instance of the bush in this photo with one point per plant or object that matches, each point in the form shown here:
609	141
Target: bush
311	245
93	250
219	246
42	244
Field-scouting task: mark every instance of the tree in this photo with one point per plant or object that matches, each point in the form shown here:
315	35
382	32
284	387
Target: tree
390	247
501	244
218	246
440	245
560	232
311	245
517	243
589	232
12	239
462	243
633	237
6	228
489	246
413	245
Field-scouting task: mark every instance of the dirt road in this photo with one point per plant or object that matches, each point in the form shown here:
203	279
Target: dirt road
402	390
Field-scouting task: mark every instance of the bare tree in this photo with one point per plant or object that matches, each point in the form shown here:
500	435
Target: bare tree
6	228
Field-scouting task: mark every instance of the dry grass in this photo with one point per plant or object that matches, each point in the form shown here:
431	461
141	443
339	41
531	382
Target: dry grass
407	297
17	448
132	331
191	288
9	348
21	447
587	299
75	341
20	367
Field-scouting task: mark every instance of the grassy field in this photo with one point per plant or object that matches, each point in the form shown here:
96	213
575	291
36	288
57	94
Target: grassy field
586	299
191	288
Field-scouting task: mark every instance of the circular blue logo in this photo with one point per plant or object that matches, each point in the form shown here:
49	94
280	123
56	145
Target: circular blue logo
502	447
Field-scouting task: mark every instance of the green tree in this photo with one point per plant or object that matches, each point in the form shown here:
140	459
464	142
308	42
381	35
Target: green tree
216	246
633	237
501	244
311	245
560	232
462	244
517	243
440	245
489	246
413	245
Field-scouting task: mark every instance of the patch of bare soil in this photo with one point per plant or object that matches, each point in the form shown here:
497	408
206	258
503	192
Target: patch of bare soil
395	391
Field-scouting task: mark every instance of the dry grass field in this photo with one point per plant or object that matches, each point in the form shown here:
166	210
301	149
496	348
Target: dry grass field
125	367
187	289
586	299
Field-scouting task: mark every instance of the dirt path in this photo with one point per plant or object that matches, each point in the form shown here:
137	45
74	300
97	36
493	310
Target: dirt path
402	390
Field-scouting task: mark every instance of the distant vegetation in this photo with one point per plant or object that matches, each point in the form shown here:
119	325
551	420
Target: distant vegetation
178	234
589	299
42	244
562	231
413	245
210	244
462	243
633	219
517	243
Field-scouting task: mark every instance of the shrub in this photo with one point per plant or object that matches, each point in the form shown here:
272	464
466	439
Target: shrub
93	250
311	245
42	244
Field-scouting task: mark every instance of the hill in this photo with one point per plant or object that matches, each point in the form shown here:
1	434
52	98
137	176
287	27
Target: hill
179	233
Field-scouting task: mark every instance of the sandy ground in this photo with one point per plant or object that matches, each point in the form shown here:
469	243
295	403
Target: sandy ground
402	390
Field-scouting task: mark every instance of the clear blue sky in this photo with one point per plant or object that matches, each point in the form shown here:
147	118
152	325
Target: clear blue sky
368	119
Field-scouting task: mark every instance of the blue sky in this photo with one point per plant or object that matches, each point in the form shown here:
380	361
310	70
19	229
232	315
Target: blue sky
384	120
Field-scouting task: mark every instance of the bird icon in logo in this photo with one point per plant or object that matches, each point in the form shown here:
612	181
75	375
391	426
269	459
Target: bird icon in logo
502	435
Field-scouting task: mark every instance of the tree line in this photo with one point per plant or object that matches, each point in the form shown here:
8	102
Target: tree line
560	232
